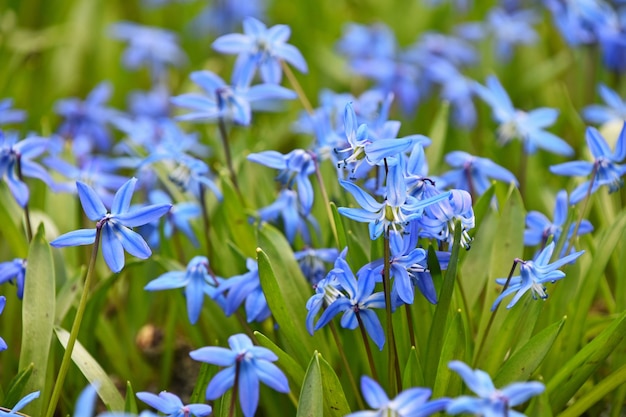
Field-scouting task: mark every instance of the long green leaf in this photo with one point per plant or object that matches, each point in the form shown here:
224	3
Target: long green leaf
37	317
453	348
335	403
285	362
413	375
207	371
130	404
16	388
311	403
94	373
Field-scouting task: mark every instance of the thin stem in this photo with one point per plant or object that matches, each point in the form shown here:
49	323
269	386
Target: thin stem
233	398
229	159
522	173
29	228
205	220
366	342
394	367
296	86
493	315
346	365
80	312
409	320
331	218
581	216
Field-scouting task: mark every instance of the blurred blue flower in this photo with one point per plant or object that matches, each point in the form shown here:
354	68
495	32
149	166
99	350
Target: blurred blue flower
86	404
13	150
197	280
189	174
233	103
359	299
614	110
491	401
606	164
115	225
247	365
262	48
178	218
438	221
367	41
226	16
148	46
312	262
245	287
539	228
517	124
14	272
287	207
9	115
473	173
3	301
170	405
154	104
533	276
412	402
510	29
14	412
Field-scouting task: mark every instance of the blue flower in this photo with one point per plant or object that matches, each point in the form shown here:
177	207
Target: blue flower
533	276
14	272
248	365
177	219
12	151
614	110
295	220
170	405
517	124
312	262
439	219
189	174
3	301
606	164
540	228
9	115
473	174
491	401
20	404
226	16
262	48
234	103
115	225
197	281
359	299
510	29
412	402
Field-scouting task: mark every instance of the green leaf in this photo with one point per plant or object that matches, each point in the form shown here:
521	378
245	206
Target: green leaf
575	372
17	386
288	364
527	359
94	373
37	317
453	348
437	134
311	402
130	404
207	371
335	403
413	375
12	230
341	231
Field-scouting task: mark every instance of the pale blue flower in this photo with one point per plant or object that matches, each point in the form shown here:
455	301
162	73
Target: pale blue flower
3	301
9	115
171	405
14	272
474	174
613	110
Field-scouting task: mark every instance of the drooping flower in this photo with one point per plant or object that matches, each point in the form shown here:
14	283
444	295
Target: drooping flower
197	281
14	272
491	401
245	364
412	402
171	405
533	276
439	219
606	164
177	219
287	207
115	225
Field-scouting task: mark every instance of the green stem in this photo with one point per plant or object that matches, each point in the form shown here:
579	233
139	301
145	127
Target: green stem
80	312
296	86
346	365
205	220
229	159
394	367
29	228
331	218
233	398
409	320
366	342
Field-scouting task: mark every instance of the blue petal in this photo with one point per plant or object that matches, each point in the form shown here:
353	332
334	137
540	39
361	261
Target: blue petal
248	389
596	143
220	383
133	243
92	204
123	196
75	238
572	168
27	399
142	215
373	327
271	376
373	393
167	281
270	159
519	392
233	43
476	380
112	249
364	199
214	355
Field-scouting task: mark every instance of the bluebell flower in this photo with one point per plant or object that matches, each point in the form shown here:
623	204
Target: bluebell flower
327	290
439	219
9	115
312	262
436	46
14	272
473	174
13	150
14	412
614	110
359	299
148	46
606	164
115	225
510	29
226	16
367	41
296	166
577	19
533	276
262	48
189	174
245	288
86	404
539	228
491	401
248	365
170	405
177	219
287	207
3	301
517	124
197	281
85	123
233	103
154	104
412	402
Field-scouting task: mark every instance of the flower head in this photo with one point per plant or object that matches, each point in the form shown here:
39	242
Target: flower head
473	174
170	405
248	365
14	272
9	115
245	287
114	225
614	108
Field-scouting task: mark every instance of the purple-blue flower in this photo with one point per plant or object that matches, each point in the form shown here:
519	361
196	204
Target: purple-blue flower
312	262
14	272
248	365
262	48
9	115
177	219
474	174
491	401
412	402
171	405
613	110
606	164
533	276
287	207
115	225
197	280
438	220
